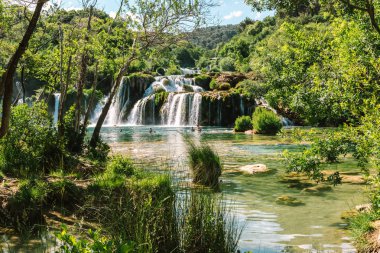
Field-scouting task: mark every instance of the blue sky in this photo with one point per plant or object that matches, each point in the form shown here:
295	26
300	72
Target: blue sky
228	11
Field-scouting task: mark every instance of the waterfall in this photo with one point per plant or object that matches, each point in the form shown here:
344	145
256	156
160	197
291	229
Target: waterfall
241	105
141	111
196	109
116	113
98	110
57	96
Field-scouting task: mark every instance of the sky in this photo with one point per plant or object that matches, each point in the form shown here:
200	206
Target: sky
227	11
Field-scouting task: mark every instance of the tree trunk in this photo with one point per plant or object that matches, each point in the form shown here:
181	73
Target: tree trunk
61	128
91	102
23	83
82	76
6	86
123	71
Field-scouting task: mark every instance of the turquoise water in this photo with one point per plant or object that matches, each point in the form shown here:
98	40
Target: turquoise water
268	227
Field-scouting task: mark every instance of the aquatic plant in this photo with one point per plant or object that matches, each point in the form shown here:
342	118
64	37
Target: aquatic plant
206	224
205	164
265	121
243	123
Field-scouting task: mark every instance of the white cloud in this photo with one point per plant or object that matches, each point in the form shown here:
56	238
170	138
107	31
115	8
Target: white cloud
234	14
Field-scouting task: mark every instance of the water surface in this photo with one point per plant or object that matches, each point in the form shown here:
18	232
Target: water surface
315	226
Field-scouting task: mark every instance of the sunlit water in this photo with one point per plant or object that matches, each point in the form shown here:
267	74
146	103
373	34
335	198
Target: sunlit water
268	227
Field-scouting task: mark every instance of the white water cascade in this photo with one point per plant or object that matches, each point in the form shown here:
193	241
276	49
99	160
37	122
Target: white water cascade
57	97
182	107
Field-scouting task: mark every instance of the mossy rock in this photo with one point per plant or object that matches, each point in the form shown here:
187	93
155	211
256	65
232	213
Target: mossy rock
166	82
289	201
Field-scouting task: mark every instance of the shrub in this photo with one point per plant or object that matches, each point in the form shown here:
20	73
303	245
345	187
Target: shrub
205	165
223	86
203	81
173	70
243	123
265	121
227	64
31	145
213	84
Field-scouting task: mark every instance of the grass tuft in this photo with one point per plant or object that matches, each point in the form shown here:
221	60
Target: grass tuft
205	165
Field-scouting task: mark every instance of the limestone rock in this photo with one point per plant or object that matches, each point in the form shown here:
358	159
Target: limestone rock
254	168
363	208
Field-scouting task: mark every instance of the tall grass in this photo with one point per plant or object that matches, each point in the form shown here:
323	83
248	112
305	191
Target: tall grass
148	212
206	224
205	164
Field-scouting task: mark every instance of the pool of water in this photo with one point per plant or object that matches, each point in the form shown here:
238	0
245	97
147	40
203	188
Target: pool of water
315	226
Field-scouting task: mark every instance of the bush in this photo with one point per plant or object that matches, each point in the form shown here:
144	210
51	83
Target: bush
213	84
227	64
243	123
223	86
265	121
173	70
203	81
31	145
205	165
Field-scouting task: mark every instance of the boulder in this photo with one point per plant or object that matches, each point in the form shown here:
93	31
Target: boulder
363	208
254	169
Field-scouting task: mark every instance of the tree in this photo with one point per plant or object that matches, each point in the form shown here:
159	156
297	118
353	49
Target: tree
6	85
290	7
367	6
157	22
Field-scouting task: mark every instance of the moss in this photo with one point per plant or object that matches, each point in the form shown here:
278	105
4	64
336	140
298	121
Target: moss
160	98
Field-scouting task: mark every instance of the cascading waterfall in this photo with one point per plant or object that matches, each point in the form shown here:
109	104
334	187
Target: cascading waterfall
57	97
116	112
143	108
181	108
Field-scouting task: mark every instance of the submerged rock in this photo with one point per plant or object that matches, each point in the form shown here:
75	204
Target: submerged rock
254	169
289	201
318	188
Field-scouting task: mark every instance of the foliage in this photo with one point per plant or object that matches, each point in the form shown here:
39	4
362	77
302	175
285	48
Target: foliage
203	81
205	165
251	88
96	242
243	123
31	147
74	140
265	121
173	70
210	37
360	226
227	64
